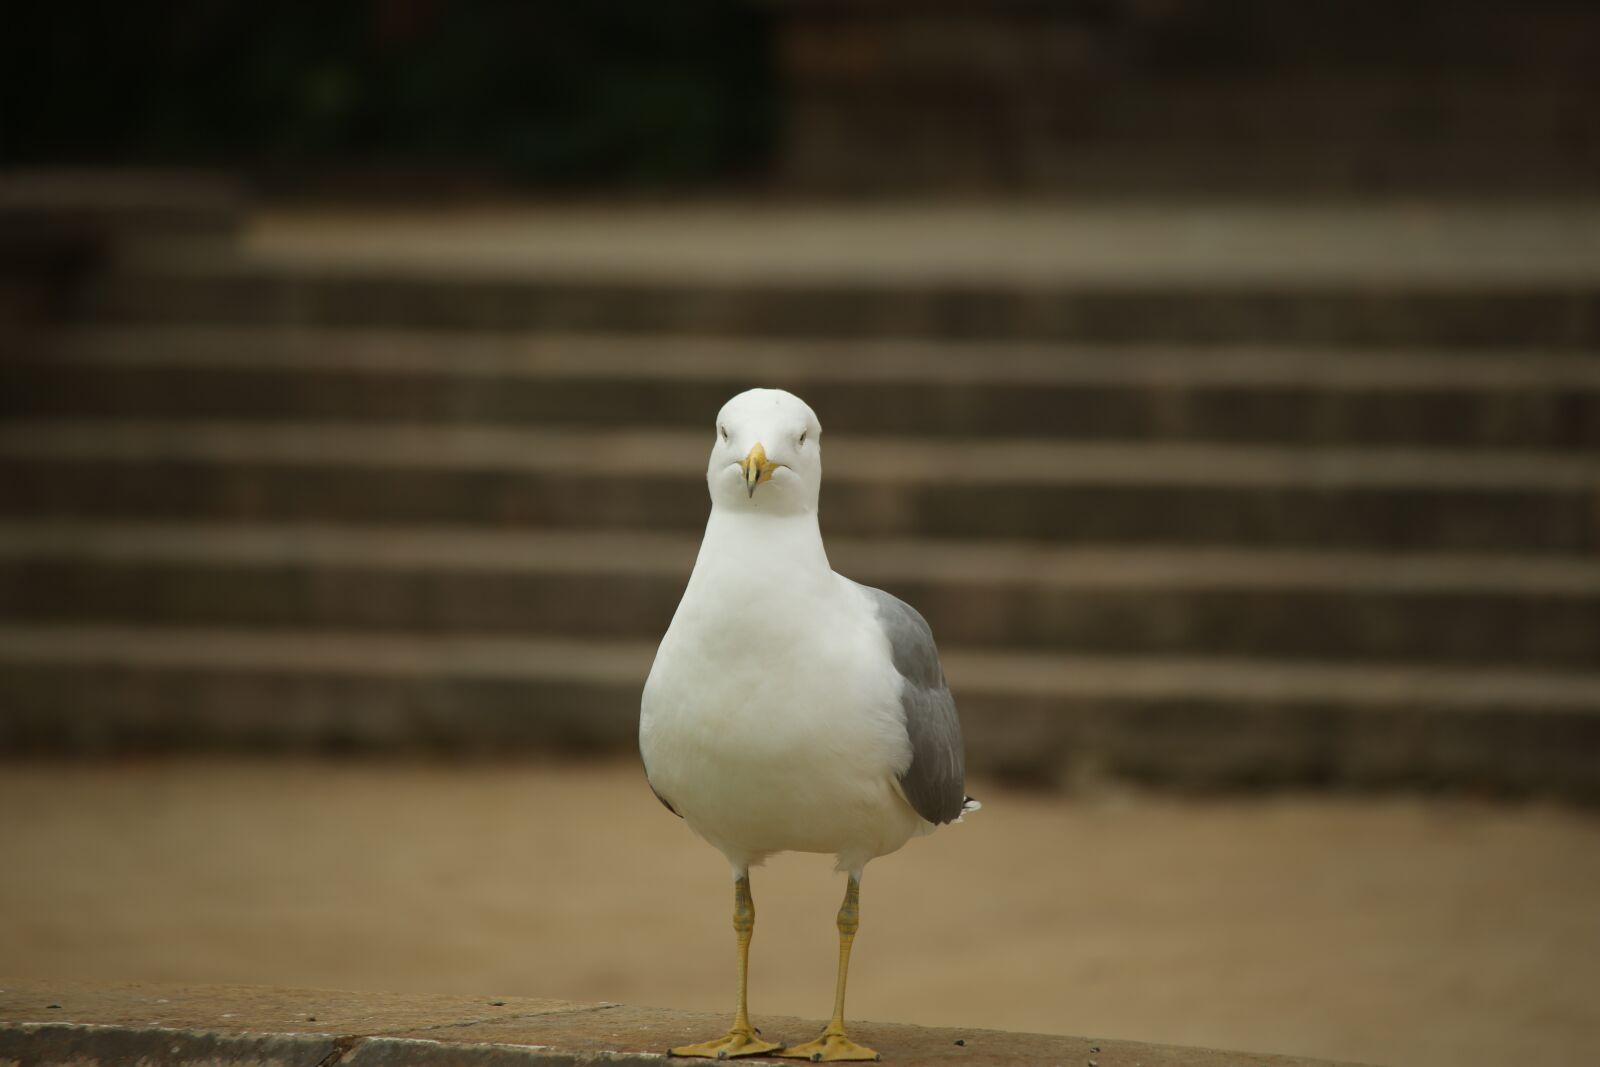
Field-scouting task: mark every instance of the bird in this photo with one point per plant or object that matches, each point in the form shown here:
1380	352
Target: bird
788	708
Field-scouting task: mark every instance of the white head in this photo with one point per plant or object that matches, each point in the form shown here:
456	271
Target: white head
767	457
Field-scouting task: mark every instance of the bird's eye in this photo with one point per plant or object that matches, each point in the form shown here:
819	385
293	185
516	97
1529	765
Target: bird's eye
724	431
803	436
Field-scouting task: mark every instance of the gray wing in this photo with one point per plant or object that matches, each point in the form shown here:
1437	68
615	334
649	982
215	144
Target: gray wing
933	783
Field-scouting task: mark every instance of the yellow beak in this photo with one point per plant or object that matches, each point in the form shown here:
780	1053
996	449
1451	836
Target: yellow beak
756	468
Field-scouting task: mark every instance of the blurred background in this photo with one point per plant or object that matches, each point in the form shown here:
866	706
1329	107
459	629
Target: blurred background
1219	379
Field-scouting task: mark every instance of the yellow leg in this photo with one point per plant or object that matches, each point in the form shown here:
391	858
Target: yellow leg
833	1045
741	1040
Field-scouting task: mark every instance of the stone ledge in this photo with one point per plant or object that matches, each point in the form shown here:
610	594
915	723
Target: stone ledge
47	1023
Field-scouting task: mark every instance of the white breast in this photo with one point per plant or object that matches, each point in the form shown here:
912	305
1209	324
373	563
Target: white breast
771	718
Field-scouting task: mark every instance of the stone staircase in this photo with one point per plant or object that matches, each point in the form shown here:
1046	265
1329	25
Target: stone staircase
1337	535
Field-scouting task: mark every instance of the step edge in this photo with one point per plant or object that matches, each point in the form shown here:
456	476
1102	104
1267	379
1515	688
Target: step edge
973	674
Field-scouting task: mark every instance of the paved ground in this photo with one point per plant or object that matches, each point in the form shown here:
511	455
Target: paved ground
1023	242
47	1023
1392	931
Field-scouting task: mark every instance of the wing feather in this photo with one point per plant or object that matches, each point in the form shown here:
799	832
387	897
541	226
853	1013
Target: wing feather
934	781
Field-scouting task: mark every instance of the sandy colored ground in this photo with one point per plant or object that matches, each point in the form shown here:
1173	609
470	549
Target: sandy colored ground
1391	931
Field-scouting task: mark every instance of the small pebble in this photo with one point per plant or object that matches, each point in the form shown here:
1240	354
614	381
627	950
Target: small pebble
961	1041
498	1003
1096	1048
52	1005
1094	1063
311	1018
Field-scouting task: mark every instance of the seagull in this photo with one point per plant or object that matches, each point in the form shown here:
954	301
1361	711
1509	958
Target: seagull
790	709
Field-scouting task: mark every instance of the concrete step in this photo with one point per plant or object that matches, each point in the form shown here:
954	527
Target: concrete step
889	246
52	1022
125	216
605	584
1355	110
1471	311
866	387
1045	717
1400	499
1393	168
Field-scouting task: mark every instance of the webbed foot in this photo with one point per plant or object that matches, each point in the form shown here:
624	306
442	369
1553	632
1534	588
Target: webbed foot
831	1046
736	1042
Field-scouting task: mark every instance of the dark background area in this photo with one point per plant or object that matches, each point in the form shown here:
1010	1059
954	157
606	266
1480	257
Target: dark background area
558	95
1167	97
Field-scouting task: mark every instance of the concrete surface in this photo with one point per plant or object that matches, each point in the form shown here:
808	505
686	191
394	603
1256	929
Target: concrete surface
1430	933
1016	242
70	1022
1189	564
1469	312
124	217
1509	274
1483	401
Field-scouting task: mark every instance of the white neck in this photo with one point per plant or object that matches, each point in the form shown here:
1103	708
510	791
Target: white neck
753	564
748	542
